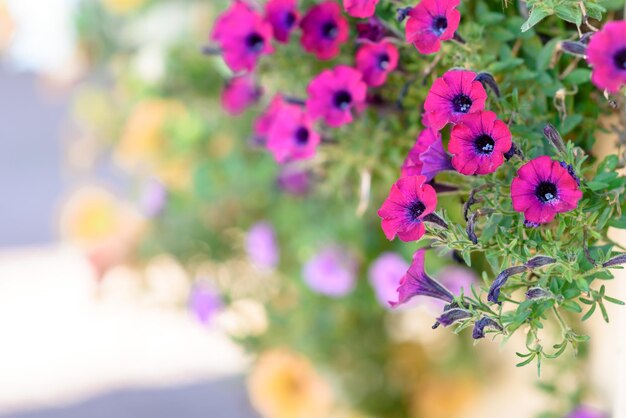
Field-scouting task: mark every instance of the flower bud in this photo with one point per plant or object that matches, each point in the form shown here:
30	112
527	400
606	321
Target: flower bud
487	79
574	48
620	259
554	137
481	324
537	293
402	13
539	261
453	315
494	290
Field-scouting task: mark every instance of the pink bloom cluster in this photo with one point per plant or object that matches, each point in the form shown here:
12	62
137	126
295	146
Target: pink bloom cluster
606	54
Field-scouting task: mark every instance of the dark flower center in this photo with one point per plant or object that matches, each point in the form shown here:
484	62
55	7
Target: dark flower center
255	42
440	24
290	19
546	191
342	99
330	30
620	59
416	210
302	136
461	103
484	144
383	61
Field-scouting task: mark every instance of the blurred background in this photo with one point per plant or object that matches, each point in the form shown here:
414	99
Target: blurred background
152	264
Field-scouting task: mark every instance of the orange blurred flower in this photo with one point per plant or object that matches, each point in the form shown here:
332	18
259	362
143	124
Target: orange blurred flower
121	7
285	385
440	396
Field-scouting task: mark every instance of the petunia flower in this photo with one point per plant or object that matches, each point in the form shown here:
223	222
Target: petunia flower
453	315
485	322
409	201
331	272
283	16
371	30
478	143
204	302
324	29
291	135
240	93
452	96
606	54
360	8
261	246
294	181
584	411
243	36
427	157
375	61
542	189
417	283
430	22
384	275
333	95
264	122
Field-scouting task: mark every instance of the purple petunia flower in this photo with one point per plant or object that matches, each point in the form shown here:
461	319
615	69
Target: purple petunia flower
375	61
291	136
606	54
240	93
331	272
417	283
243	36
452	96
283	16
360	8
542	189
371	30
430	22
409	201
262	247
294	180
478	143
385	274
583	411
484	323
204	302
324	29
427	157
334	94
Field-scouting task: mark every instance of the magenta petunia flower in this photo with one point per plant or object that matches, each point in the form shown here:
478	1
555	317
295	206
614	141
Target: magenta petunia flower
261	246
294	180
375	61
360	8
385	274
606	54
333	95
283	16
417	283
324	29
204	302
291	136
264	122
430	22
409	201
243	36
478	143
453	96
427	157
542	189
331	272
584	411
371	30
240	93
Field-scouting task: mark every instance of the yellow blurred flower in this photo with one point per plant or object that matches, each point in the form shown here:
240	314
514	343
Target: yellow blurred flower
7	25
440	396
285	385
121	7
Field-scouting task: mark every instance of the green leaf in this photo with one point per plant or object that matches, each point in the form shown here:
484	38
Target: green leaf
572	306
536	16
578	76
570	13
613	300
544	56
597	185
618	223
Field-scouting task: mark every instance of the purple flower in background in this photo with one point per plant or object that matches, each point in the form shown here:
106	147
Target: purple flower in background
153	198
261	246
331	272
584	411
294	180
204	302
371	30
283	16
385	274
240	93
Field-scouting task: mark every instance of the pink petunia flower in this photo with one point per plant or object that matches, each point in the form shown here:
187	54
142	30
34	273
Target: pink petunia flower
283	16
606	54
427	157
333	95
416	282
478	143
375	61
453	96
430	22
243	36
542	189
291	136
409	201
264	122
331	272
324	29
240	93
360	8
204	302
385	274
